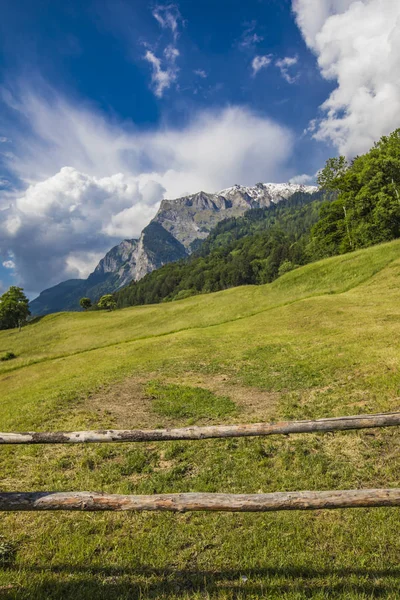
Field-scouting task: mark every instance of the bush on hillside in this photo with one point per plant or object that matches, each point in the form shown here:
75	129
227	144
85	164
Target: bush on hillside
285	267
8	356
85	303
107	302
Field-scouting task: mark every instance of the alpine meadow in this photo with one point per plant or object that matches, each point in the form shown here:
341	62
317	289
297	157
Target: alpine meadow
200	300
322	340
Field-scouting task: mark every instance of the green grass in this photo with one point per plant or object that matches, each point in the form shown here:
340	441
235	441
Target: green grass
183	401
323	340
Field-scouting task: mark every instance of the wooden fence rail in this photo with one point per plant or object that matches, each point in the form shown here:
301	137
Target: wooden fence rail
197	433
87	501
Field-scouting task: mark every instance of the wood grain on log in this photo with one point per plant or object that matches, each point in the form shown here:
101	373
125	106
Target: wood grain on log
197	433
87	501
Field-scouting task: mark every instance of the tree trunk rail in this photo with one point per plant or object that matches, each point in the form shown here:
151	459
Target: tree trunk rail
207	432
88	501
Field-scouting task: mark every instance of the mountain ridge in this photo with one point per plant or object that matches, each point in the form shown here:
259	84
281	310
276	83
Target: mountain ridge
178	227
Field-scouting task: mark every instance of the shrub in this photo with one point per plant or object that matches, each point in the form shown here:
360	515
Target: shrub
8	356
285	267
85	303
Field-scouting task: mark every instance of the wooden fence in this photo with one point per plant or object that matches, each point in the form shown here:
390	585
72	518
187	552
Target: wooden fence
199	433
307	500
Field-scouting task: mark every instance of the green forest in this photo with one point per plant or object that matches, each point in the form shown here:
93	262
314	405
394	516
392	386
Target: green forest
367	209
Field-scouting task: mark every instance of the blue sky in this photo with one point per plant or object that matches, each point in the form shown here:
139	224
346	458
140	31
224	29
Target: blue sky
107	107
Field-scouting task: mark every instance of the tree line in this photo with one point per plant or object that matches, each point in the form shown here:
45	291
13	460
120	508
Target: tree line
367	208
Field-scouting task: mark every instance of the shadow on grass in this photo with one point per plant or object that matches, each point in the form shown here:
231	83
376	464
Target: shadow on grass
67	582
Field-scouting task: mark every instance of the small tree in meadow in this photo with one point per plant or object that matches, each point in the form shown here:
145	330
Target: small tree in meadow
107	302
85	303
14	308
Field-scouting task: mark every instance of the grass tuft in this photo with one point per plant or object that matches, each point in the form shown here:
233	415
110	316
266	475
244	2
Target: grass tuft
8	552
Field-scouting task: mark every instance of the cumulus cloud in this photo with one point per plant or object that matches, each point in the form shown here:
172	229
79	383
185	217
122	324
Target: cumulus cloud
357	44
201	73
260	62
116	176
285	65
63	225
165	71
9	264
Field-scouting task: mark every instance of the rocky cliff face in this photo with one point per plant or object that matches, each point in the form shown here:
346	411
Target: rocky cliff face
116	257
176	229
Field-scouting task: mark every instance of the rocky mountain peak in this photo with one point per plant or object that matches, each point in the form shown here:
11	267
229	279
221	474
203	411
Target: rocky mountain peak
116	257
178	227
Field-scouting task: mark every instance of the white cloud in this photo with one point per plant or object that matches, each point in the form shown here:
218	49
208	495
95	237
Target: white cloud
168	17
60	227
3	139
303	179
260	62
116	177
201	73
249	38
162	78
312	126
165	70
357	44
284	65
9	264
83	262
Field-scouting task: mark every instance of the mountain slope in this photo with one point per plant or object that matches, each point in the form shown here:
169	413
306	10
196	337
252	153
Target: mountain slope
249	249
110	274
173	233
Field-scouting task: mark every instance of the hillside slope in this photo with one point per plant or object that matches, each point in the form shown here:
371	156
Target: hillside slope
323	340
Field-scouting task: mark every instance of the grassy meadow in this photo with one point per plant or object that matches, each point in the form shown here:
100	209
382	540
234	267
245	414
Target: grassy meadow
322	340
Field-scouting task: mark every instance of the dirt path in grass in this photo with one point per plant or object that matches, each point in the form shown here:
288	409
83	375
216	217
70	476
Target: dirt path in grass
128	406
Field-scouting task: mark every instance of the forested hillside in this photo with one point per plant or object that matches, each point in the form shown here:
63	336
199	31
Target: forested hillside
252	249
367	209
